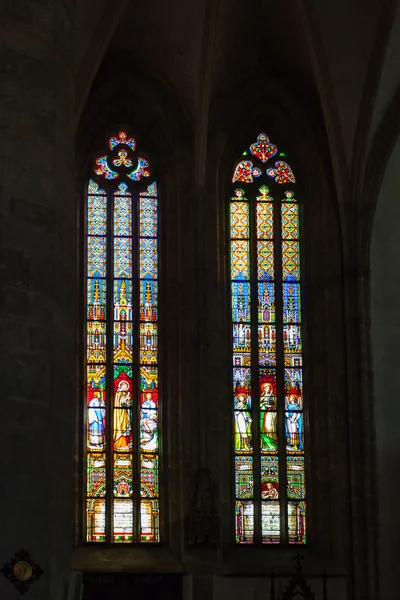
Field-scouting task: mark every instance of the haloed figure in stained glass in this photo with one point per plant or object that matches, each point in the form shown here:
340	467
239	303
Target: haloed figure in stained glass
294	421
122	421
96	418
148	423
269	440
269	491
242	423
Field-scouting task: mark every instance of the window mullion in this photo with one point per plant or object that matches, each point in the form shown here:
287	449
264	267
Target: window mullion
109	368
255	387
136	366
280	371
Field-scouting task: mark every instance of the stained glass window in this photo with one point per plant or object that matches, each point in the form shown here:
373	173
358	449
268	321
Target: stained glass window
268	402
122	392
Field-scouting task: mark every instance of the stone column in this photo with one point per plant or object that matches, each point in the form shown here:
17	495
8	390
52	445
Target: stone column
38	290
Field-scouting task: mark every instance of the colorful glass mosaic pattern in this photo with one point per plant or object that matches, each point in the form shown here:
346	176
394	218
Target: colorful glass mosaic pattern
263	149
122	400
268	418
293	375
148	360
282	173
245	171
122	161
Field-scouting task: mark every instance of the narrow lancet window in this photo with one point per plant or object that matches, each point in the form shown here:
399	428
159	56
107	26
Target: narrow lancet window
121	406
268	401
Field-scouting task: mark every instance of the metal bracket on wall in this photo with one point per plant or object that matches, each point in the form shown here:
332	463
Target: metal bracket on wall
21	571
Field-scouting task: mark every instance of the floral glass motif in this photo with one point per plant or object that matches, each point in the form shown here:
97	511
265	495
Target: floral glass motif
103	168
245	171
121	139
141	170
122	396
282	173
263	149
267	351
122	160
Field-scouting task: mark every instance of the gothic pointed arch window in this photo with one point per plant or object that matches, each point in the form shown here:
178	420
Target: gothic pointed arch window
268	404
121	364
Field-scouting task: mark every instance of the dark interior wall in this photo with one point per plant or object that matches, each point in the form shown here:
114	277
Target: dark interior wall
37	287
385	333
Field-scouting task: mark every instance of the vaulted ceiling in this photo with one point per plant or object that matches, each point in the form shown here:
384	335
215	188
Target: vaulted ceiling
343	53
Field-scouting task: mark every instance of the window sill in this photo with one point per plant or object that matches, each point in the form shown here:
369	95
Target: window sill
119	558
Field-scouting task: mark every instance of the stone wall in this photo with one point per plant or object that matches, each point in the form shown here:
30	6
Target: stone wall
385	333
38	302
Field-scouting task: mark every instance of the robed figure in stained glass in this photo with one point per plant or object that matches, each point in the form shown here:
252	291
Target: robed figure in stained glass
96	418
122	421
242	424
294	421
148	423
269	491
269	440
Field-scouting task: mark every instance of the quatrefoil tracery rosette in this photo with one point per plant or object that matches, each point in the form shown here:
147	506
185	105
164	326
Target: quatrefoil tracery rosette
122	161
263	150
